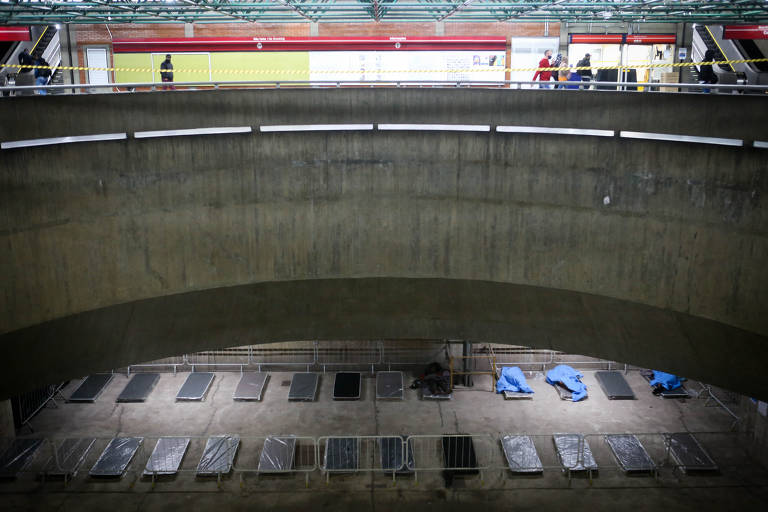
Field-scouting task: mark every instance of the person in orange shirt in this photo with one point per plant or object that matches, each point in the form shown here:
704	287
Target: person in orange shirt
544	76
563	72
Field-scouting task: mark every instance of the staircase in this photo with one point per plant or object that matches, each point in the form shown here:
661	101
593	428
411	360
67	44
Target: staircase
689	75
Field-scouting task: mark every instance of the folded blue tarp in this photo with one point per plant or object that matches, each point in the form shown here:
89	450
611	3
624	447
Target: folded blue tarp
512	379
570	378
667	380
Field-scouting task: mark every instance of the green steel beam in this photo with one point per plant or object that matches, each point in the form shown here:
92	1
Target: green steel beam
221	11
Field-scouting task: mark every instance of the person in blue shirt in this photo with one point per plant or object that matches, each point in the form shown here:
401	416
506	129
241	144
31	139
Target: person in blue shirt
42	74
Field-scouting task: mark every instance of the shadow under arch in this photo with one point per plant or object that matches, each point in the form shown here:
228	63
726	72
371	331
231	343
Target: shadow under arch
384	308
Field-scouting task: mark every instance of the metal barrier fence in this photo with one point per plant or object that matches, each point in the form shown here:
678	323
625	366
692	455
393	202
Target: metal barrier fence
372	355
362	454
284	356
457	453
69	458
412	352
349	353
30	403
236	357
597	457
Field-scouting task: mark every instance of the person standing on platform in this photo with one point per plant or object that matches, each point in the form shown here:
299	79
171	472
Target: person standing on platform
706	73
563	72
586	74
166	72
42	74
25	76
544	76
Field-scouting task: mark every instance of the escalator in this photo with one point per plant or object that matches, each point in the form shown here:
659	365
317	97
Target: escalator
44	43
711	37
5	47
709	42
749	50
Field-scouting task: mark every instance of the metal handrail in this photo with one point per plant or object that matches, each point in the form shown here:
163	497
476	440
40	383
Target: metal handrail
591	85
258	364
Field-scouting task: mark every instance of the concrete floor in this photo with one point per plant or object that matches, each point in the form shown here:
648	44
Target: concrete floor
740	483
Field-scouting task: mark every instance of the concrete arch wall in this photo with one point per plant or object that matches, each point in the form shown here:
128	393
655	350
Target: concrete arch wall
384	308
93	226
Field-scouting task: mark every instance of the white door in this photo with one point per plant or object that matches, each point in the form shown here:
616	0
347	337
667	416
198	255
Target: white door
97	58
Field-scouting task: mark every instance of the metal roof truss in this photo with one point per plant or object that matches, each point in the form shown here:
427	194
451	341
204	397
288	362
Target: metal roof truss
30	12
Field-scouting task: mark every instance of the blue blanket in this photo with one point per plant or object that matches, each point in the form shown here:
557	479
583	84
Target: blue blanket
512	379
667	380
569	378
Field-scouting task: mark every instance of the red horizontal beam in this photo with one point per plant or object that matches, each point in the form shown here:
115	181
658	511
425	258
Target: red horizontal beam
622	38
15	34
255	44
745	32
650	39
596	38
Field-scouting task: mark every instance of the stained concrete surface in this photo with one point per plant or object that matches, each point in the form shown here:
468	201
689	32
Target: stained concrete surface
124	224
742	482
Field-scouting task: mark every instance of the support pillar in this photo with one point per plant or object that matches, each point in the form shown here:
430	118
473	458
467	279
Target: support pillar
7	428
468	363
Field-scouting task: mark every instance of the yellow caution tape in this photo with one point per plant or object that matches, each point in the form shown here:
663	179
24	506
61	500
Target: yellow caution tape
387	71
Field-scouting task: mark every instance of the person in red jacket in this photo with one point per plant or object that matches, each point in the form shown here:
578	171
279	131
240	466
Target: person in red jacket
544	76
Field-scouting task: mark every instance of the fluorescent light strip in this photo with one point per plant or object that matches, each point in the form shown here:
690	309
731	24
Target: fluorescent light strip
555	131
314	127
682	138
62	140
760	144
437	127
193	131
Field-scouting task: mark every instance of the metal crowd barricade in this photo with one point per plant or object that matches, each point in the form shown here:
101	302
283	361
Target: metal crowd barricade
172	362
69	460
728	454
362	454
349	353
32	402
266	355
609	461
399	353
236	357
277	455
518	356
519	459
450	452
583	361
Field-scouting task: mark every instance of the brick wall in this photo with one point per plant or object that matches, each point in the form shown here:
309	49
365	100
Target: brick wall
501	29
375	29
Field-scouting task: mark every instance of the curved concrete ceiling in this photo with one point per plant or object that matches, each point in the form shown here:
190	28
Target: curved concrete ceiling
376	308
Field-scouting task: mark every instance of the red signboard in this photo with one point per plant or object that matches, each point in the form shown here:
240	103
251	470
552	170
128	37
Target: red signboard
596	38
650	39
14	34
255	44
745	32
